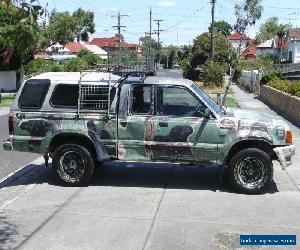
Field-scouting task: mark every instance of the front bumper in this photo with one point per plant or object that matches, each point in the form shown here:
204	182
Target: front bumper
285	155
7	145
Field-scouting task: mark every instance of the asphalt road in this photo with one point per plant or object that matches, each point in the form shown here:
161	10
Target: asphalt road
11	161
170	73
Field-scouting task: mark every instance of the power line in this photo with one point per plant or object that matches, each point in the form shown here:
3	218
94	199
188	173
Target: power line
183	20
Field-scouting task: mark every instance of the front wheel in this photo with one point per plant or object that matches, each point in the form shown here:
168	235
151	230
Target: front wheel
73	165
250	171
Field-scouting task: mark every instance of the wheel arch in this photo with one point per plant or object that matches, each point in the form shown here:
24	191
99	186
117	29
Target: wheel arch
263	145
74	138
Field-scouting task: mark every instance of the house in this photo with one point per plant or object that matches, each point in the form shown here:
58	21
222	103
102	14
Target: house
58	49
239	41
275	47
97	51
293	40
74	48
111	44
250	51
61	53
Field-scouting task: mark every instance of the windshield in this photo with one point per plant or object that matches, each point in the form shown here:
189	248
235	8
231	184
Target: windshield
208	100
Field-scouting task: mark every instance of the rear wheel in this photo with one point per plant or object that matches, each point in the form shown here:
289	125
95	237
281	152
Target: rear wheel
73	165
250	171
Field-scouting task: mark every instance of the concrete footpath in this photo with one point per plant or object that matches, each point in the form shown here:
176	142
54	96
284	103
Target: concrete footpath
146	206
4	111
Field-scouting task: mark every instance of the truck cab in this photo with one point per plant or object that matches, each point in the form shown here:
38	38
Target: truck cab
79	119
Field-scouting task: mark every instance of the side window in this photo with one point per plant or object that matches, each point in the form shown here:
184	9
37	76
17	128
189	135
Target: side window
178	101
65	95
141	99
34	93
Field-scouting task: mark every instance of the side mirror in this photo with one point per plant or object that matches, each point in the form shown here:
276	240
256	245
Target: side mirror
207	113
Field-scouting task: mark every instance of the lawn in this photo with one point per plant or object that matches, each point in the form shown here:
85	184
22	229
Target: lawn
231	102
213	90
7	100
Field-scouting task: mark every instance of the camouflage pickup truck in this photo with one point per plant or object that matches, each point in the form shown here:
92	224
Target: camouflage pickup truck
80	119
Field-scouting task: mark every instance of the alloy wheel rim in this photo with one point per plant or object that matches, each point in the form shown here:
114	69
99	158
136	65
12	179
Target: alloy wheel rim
71	166
251	172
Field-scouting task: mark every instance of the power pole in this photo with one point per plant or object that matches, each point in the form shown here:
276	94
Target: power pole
119	26
150	24
213	2
158	31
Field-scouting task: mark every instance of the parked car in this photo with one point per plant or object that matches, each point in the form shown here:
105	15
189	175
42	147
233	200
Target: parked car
176	66
79	120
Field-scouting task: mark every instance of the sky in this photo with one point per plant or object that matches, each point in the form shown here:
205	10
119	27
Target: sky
182	21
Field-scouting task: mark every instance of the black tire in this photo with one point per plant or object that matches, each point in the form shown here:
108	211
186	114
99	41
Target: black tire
250	171
73	165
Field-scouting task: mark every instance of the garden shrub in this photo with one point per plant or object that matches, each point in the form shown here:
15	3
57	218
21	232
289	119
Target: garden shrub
213	73
75	65
267	78
56	68
282	85
89	57
38	66
295	89
188	71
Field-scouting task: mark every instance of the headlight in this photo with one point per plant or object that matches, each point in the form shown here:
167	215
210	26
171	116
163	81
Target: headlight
280	133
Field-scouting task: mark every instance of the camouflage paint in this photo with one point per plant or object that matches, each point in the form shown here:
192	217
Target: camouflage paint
148	137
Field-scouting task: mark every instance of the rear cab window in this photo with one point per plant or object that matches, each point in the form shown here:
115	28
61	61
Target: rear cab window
65	96
33	93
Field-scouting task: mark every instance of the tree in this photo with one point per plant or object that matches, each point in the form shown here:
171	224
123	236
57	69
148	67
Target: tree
84	24
281	31
223	27
269	30
147	43
64	27
61	28
20	34
89	57
247	15
202	48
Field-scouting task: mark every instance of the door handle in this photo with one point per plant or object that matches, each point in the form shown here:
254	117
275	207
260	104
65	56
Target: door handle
163	124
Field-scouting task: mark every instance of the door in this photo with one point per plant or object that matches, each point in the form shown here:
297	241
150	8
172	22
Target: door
134	117
182	133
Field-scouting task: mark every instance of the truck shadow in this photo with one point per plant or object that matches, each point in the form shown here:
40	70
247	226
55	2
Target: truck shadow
8	231
171	176
149	175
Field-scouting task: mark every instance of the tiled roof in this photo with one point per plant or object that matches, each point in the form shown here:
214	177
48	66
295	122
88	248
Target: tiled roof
250	51
111	42
294	34
74	47
237	36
